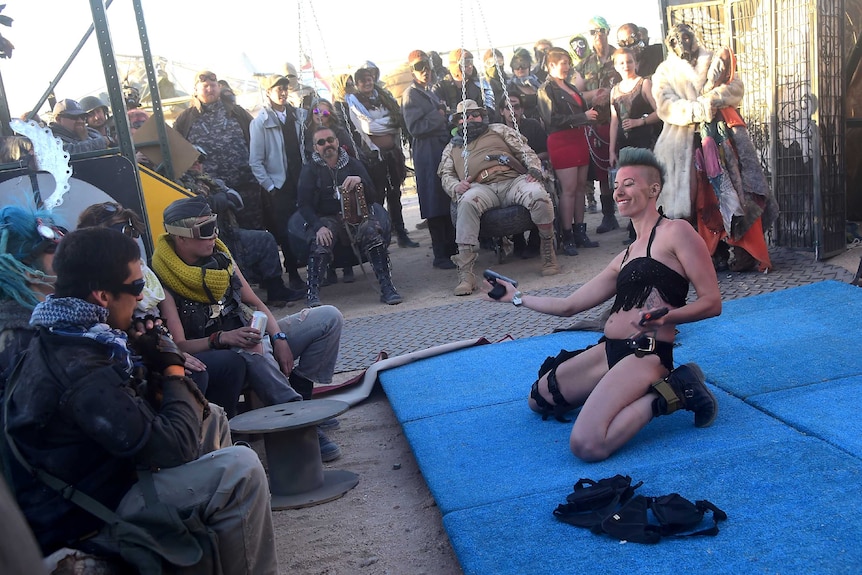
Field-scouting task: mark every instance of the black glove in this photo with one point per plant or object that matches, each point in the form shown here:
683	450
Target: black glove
158	350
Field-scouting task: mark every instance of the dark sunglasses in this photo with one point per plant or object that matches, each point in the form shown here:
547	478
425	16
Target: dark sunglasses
127	229
207	78
319	112
474	113
514	107
598	31
522	67
135	288
421	66
204	230
327	140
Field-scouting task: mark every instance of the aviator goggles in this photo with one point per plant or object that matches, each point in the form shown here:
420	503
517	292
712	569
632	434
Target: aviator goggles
203	230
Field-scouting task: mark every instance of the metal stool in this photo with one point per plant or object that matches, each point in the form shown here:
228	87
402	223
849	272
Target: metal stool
296	475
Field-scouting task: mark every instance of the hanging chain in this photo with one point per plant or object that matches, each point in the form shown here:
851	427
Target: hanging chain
464	153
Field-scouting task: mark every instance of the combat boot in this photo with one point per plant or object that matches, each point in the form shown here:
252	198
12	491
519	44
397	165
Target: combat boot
549	256
464	260
380	264
685	388
568	243
581	238
317	266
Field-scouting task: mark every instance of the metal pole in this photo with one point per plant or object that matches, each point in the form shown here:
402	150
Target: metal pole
112	80
167	167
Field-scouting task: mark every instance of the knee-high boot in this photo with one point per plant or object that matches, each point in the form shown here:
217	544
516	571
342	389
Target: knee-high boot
318	264
380	264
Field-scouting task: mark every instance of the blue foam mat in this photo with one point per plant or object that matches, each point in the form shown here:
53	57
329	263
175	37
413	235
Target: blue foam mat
790	510
466	378
497	471
509	451
828	410
778	340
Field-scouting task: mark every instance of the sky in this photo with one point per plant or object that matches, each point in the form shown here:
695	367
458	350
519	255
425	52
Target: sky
338	34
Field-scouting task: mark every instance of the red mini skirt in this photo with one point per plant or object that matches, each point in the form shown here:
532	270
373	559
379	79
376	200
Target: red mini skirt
569	148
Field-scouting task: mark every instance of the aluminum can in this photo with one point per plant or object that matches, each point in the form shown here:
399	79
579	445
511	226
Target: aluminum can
258	322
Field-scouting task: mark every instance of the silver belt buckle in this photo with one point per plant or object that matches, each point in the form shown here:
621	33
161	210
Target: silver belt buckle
650	345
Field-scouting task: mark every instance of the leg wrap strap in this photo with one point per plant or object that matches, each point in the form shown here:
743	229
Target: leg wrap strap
560	407
667	401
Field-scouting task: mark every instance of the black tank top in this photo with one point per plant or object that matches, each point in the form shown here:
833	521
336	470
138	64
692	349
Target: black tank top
633	104
642	275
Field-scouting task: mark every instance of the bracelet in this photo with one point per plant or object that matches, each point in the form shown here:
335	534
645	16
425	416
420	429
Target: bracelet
214	339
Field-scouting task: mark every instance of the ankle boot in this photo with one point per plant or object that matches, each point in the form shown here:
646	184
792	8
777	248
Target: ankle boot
317	266
466	278
404	240
581	239
549	256
685	389
568	243
380	264
609	222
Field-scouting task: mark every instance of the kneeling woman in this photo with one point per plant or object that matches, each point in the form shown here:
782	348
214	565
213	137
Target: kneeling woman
627	378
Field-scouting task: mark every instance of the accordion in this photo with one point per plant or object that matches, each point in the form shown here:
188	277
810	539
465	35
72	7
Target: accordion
354	208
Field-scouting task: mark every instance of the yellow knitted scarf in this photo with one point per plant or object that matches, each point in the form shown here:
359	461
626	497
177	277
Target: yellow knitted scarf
188	281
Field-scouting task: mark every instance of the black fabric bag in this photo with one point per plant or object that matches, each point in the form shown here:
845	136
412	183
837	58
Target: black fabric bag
609	506
592	501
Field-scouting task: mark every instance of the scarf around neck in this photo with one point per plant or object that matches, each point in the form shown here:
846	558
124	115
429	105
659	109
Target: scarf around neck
342	160
75	317
191	282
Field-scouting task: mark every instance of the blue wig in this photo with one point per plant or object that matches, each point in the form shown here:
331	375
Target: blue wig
18	238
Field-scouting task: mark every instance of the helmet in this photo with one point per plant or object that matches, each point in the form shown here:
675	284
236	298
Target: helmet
368	66
90	103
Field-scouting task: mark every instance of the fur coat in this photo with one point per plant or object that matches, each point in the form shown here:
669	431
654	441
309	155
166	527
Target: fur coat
678	87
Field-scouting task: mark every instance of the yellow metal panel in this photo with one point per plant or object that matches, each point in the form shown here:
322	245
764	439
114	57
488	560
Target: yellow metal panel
159	192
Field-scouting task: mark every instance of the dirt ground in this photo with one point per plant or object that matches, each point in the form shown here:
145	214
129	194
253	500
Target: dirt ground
389	524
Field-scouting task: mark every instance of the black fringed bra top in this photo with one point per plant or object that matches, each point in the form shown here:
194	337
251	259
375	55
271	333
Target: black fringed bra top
642	275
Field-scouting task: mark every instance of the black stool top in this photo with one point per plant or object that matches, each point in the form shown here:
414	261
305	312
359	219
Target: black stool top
287	416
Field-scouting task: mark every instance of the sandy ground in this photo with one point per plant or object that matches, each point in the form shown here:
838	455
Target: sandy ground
389	524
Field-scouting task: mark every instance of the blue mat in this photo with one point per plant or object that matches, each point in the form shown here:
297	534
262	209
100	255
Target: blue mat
782	459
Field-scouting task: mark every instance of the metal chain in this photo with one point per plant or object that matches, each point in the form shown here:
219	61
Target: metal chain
464	153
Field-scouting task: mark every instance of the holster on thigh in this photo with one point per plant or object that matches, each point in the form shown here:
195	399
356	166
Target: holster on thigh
560	406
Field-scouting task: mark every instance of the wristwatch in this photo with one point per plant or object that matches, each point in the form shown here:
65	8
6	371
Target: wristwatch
277	336
516	299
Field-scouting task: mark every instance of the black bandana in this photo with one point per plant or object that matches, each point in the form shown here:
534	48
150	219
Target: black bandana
474	130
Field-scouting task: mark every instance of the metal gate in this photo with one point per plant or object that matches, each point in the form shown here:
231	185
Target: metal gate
790	54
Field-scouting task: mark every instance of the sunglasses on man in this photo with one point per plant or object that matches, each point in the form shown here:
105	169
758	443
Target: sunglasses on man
135	288
327	140
203	230
472	114
422	66
598	31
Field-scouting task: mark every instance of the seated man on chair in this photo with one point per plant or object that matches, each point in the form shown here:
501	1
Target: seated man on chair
76	410
501	170
332	186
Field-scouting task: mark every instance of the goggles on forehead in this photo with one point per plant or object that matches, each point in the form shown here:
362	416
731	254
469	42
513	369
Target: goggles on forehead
51	236
203	230
207	78
135	288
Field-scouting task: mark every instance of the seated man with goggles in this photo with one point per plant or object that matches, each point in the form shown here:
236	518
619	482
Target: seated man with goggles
207	303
